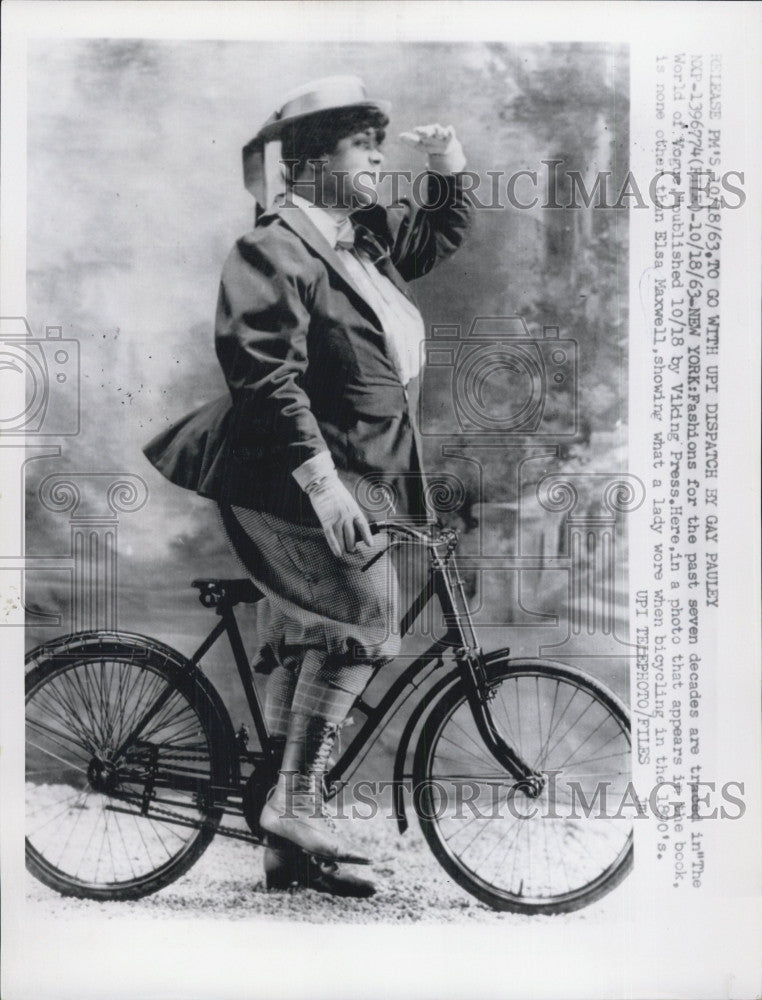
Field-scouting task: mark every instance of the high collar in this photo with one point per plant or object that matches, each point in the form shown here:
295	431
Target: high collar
328	227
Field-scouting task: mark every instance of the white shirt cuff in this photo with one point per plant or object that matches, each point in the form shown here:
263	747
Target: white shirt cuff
452	162
314	468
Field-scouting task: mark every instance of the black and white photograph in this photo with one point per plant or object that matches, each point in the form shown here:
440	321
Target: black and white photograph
374	502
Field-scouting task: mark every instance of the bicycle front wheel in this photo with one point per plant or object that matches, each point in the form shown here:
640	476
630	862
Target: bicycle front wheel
124	765
553	853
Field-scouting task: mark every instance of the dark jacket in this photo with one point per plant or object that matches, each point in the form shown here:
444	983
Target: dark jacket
306	365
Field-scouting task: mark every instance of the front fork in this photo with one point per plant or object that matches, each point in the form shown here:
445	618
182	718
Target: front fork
480	695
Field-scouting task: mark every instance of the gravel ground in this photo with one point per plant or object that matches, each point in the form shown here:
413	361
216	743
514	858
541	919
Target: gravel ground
227	882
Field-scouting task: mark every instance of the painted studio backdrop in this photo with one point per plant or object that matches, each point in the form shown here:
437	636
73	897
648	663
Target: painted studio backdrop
135	197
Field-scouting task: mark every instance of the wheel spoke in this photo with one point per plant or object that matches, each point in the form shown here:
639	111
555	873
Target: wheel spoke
66	713
80	812
469	753
62	740
519	852
80	710
55	756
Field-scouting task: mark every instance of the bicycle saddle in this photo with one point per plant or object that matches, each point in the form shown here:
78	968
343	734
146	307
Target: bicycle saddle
213	591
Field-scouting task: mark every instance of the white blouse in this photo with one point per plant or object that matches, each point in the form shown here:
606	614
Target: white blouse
401	321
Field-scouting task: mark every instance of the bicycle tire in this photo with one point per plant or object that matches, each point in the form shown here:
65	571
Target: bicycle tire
93	831
517	883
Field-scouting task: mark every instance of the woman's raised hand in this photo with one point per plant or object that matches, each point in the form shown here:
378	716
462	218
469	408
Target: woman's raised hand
441	145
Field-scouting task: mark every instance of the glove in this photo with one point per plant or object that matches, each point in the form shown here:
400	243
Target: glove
341	519
444	151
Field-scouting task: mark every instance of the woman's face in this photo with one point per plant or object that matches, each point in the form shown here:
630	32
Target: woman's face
350	173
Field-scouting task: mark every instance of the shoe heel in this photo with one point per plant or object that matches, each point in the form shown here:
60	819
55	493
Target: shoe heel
281	864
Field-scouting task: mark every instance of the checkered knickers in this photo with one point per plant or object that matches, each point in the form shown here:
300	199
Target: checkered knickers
330	624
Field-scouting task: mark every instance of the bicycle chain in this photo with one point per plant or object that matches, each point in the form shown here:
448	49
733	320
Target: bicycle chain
226	831
165	751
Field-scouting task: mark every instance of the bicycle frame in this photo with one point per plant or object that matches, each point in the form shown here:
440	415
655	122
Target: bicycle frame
107	721
446	585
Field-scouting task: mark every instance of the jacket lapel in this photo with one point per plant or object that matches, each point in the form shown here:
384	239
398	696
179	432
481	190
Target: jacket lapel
297	221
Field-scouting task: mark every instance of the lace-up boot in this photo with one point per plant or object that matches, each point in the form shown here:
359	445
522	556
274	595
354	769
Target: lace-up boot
294	809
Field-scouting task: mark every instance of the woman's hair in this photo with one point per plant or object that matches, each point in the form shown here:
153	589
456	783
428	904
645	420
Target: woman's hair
319	133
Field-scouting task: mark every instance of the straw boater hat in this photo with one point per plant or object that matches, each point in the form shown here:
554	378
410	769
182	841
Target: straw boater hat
262	169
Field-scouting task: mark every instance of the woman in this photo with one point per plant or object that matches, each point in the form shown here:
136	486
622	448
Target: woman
320	346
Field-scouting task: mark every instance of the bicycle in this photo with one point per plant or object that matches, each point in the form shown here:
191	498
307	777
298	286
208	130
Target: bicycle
132	759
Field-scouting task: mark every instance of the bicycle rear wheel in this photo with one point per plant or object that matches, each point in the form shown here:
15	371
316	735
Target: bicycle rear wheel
125	766
551	854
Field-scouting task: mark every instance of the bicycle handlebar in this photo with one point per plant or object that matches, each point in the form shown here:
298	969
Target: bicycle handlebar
422	537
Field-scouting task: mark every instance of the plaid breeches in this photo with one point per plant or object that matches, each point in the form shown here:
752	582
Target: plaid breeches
328	623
